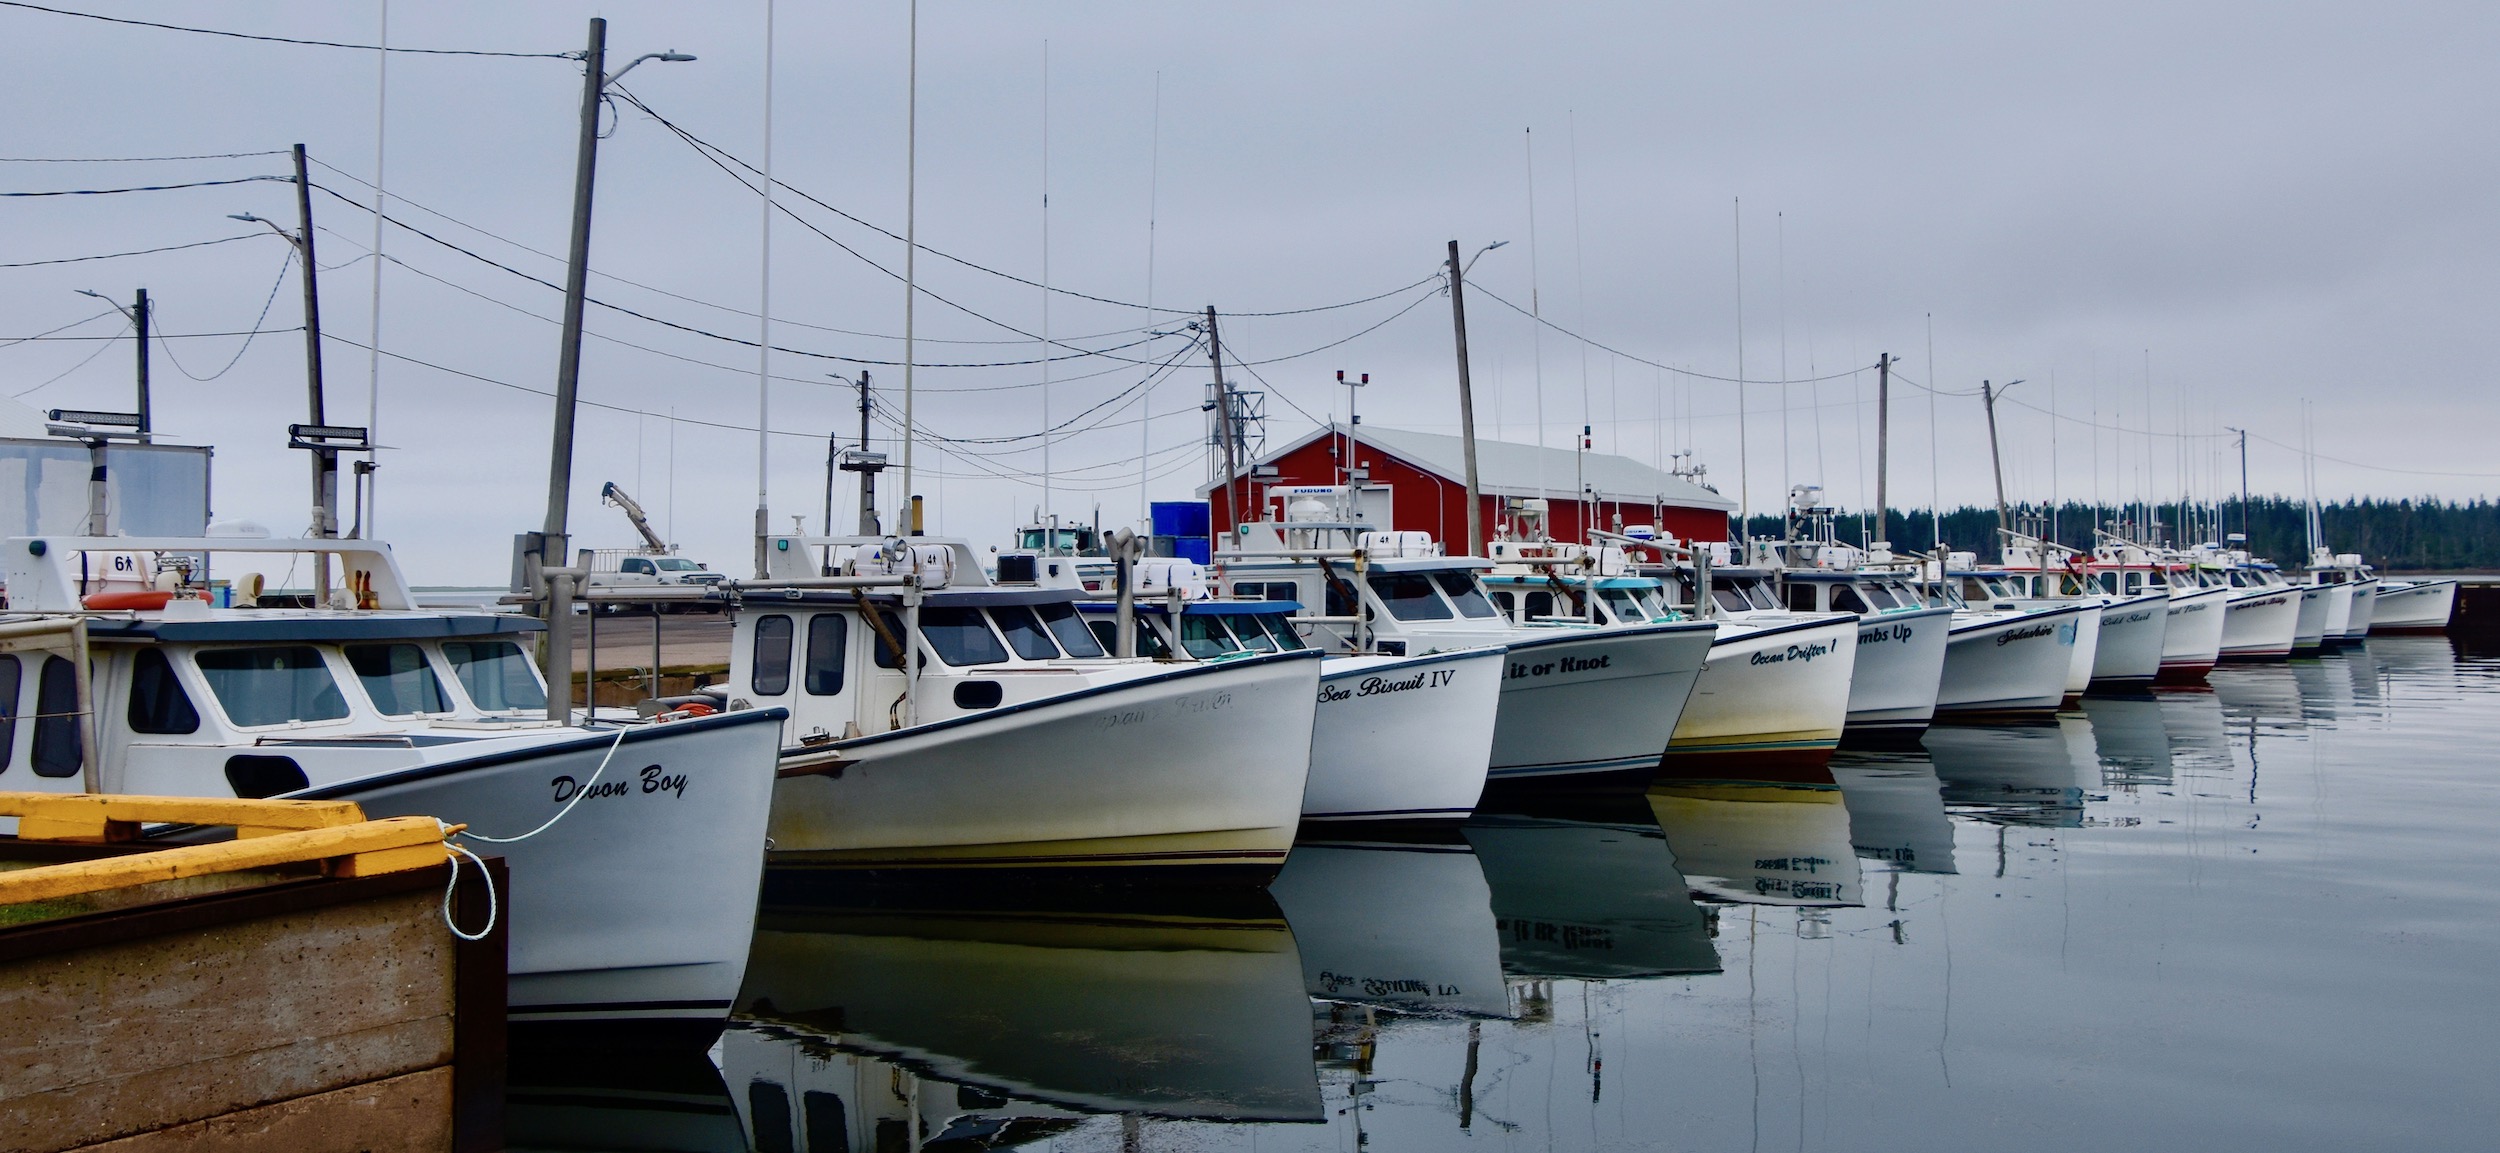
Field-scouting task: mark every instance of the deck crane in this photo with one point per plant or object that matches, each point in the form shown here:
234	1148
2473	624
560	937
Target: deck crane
610	494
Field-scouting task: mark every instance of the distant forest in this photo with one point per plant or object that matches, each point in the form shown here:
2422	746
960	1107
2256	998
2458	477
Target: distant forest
2424	535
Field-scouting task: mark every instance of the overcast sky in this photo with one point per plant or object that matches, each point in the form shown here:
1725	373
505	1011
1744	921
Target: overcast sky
2194	215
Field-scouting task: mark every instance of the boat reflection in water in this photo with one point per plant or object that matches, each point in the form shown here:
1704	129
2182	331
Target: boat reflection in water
1590	894
1001	1017
645	1098
1407	927
1896	811
1758	843
2035	774
2131	739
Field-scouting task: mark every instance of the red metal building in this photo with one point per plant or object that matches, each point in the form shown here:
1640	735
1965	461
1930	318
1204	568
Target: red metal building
1417	481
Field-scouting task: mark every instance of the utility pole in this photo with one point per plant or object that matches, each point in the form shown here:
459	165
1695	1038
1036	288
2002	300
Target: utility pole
325	476
1466	403
2243	482
867	465
1883	443
139	317
1996	465
1224	417
555	552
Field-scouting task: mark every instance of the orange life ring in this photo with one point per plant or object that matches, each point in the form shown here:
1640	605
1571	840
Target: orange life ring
688	711
147	600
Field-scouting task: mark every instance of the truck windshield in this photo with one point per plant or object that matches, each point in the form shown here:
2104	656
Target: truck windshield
678	564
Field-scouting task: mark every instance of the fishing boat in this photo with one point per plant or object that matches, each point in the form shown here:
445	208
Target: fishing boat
2333	568
2194	621
1395	738
939	720
2007	665
1778	688
2415	606
2266	613
1583	704
1994	592
1901	638
2134	627
634	850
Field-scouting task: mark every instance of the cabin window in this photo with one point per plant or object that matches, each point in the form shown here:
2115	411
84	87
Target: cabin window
59	747
888	644
1540	604
1800	597
1060	617
1149	642
1846	599
961	636
1025	633
768	1110
1339	598
828	649
1409	596
1267	591
1465	593
496	676
1506	602
1246	629
771	674
1730	599
272	686
1204	636
398	678
157	703
11	672
829	1125
1876	595
1281	629
1621	603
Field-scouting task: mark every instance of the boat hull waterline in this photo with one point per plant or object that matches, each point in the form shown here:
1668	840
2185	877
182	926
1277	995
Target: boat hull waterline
2192	635
1199	769
2261	624
1900	668
1595	706
637	903
1777	694
1403	738
2128	654
2008	665
2416	607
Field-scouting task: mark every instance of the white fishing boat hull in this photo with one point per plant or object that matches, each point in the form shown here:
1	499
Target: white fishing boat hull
1899	670
2413	606
2133	632
1403	738
637	903
1590	706
2364	609
2086	650
1196	769
2261	624
2008	664
2192	635
1775	691
2339	602
2316	607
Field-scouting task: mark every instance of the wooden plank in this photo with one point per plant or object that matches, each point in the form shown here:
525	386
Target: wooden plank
105	1042
409	1113
370	837
118	817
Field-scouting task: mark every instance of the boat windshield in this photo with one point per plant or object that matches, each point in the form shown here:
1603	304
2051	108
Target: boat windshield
1204	636
1625	607
1465	593
959	636
1063	623
496	676
1246	629
1149	641
274	685
1281	629
1024	632
1850	599
1409	596
398	678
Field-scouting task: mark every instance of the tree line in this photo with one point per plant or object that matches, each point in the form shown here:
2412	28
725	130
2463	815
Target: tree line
2402	535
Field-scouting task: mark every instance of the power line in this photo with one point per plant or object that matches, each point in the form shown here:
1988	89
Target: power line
138	159
717	154
237	358
1498	299
83	362
47	333
147	187
132	252
287	39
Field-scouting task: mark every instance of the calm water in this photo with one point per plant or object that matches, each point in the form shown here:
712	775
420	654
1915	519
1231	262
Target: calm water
2258	917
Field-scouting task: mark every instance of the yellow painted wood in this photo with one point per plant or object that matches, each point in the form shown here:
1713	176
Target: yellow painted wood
367	848
102	817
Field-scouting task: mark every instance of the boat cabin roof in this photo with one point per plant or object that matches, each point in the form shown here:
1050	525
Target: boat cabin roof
1199	608
240	626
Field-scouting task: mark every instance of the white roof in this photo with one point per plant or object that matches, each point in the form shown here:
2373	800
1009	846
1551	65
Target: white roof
1507	468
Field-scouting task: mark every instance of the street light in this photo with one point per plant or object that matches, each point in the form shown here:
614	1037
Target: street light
1471	261
1988	399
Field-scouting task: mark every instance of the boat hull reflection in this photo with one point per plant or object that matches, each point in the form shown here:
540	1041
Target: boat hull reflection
1405	927
1760	843
1167	1011
1595	897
